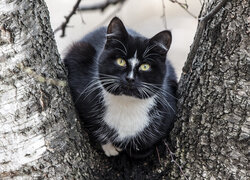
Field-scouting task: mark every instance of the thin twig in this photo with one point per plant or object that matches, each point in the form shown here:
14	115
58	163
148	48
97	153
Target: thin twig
183	6
164	18
158	155
173	160
67	18
198	35
100	6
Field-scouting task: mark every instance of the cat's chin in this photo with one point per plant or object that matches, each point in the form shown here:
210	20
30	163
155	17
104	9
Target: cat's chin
130	95
127	94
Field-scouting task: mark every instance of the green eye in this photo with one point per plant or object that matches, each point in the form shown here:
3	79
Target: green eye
144	67
121	62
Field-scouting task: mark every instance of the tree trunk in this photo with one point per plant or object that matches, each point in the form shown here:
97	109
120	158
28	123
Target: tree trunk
212	131
38	135
41	138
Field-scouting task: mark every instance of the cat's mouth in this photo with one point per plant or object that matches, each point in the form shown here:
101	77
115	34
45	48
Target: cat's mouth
129	90
124	90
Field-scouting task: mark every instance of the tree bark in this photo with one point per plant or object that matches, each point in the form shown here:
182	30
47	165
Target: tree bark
213	127
40	137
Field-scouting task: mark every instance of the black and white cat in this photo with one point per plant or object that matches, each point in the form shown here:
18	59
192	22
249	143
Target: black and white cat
123	87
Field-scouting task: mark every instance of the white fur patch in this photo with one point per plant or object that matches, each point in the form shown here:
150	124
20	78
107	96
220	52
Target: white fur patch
133	62
126	114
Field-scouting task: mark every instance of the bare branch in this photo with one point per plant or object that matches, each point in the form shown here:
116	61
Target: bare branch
158	155
164	19
100	6
173	160
67	18
183	6
198	35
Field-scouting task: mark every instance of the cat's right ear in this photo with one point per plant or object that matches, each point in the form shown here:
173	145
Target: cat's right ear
116	29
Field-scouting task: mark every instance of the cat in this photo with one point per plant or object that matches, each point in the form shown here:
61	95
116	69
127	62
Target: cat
123	87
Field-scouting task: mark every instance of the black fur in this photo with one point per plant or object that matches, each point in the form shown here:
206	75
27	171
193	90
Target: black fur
94	57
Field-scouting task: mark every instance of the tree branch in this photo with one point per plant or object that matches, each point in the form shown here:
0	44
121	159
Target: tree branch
183	6
198	35
173	160
67	18
164	18
100	6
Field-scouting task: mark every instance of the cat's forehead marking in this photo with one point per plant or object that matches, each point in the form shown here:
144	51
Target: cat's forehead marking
135	55
133	62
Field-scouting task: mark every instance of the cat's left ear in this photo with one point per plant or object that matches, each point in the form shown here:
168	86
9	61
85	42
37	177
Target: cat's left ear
116	29
163	39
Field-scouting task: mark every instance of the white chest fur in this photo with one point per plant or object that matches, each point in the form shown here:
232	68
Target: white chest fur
127	115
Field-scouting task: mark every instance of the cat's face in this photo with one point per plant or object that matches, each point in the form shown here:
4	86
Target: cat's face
131	64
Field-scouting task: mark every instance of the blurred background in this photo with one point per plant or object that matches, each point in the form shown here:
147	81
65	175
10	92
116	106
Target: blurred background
144	16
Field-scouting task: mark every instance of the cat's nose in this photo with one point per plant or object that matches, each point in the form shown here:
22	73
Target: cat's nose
130	79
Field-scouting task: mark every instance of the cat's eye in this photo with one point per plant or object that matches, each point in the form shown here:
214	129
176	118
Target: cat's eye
121	62
144	67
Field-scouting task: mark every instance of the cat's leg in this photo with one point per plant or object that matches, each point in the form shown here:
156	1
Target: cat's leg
110	149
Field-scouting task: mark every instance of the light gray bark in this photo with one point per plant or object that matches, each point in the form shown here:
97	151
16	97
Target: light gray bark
212	132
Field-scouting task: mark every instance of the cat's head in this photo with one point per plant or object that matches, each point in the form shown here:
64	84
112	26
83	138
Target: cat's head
131	64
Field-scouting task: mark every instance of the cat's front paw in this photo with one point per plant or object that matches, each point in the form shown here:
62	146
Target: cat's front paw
110	150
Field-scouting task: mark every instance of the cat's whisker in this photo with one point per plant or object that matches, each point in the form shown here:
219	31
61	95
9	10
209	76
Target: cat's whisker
141	93
107	75
151	54
145	93
121	51
96	86
159	96
148	49
109	87
89	92
89	85
162	90
150	59
125	49
115	87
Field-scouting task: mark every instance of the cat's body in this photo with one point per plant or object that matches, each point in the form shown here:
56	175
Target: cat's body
113	93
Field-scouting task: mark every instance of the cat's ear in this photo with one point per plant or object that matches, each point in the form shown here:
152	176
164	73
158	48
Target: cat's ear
116	29
162	39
